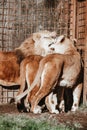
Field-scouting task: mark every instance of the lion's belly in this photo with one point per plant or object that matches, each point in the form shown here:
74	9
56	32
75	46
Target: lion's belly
8	83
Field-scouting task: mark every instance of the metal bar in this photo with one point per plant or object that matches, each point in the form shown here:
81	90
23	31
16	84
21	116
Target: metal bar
2	24
85	63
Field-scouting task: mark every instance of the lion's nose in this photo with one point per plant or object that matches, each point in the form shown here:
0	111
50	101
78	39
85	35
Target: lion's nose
53	49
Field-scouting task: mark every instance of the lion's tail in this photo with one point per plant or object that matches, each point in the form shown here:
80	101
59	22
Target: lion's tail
36	80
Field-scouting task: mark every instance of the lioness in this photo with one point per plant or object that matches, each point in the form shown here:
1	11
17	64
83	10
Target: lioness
28	70
57	68
50	71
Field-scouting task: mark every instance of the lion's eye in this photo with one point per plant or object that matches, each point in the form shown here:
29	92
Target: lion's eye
50	44
53	37
48	38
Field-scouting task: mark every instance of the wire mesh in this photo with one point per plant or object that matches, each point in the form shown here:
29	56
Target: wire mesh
20	18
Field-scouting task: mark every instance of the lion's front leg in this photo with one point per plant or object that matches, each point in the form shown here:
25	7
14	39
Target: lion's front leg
61	102
76	97
34	104
51	103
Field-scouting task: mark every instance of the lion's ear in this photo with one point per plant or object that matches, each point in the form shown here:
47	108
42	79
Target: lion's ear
61	38
36	36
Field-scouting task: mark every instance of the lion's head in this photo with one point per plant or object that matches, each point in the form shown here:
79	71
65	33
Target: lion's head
62	45
38	43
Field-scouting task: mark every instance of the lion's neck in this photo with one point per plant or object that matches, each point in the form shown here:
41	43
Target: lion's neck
71	51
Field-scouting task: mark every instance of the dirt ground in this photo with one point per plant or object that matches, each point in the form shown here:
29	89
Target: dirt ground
78	118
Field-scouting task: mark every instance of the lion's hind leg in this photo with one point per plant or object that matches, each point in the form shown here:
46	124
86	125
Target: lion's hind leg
51	103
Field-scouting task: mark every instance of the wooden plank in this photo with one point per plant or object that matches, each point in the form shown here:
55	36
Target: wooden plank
74	18
85	63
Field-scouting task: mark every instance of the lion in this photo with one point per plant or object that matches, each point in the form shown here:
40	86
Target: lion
10	61
58	69
28	70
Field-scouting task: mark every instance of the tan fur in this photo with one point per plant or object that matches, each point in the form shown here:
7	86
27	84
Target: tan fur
10	64
64	69
10	61
28	70
9	68
51	72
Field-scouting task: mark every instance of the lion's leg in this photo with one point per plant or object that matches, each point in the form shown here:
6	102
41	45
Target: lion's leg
22	78
61	100
29	80
22	84
30	75
51	103
76	97
26	72
48	80
27	104
40	94
25	77
20	104
30	97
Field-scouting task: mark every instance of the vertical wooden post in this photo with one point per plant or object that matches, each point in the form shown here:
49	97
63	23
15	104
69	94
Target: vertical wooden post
74	19
85	62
